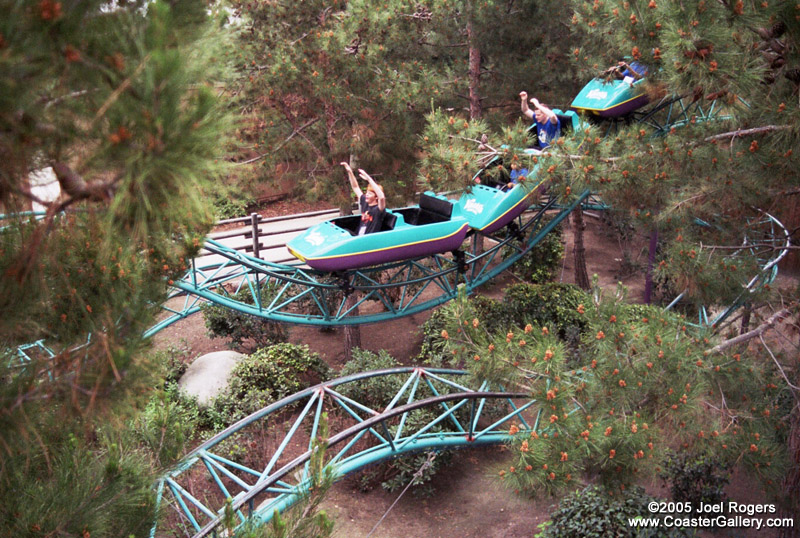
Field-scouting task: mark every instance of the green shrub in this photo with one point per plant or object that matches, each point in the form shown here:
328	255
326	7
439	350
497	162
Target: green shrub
265	377
173	362
594	513
541	263
165	427
231	205
224	322
375	392
553	305
695	477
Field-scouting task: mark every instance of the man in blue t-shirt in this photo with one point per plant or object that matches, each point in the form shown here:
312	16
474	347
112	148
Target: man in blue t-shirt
548	126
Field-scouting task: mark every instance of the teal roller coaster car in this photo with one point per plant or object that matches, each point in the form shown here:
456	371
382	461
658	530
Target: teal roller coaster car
611	98
434	226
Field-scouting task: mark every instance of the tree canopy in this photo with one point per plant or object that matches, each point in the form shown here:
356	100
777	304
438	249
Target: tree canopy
330	81
122	101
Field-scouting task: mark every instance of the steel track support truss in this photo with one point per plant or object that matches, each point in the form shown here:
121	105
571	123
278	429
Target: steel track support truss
298	295
675	111
274	473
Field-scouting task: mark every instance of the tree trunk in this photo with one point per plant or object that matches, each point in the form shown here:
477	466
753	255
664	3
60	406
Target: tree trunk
748	309
791	482
578	250
651	260
352	333
475	110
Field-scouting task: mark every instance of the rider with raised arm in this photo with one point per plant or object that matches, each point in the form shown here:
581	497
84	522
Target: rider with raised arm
371	203
548	126
623	70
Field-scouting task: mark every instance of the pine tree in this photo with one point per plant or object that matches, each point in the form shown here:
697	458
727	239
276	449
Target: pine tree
120	101
331	81
642	382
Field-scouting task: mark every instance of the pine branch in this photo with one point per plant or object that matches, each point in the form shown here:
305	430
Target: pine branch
452	45
481	143
117	92
747	132
293	123
47	102
296	131
780	368
757	332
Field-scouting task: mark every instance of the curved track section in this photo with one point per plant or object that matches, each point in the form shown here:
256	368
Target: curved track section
261	473
299	295
766	240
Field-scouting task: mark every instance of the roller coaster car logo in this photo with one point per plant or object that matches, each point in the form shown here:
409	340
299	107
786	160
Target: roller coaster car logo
315	239
473	206
596	94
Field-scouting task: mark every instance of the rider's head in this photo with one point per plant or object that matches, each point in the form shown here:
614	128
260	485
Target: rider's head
371	196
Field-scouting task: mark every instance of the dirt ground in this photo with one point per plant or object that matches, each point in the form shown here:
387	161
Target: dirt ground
469	501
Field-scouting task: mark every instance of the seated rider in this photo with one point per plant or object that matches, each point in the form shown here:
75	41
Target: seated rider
517	174
548	126
371	203
623	70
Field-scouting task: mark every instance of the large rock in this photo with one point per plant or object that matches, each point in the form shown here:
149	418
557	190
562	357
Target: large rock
207	377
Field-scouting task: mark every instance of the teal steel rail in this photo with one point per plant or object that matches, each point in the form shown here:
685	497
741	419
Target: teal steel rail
199	487
768	241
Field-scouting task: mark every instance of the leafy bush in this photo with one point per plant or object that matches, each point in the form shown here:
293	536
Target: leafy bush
377	392
553	305
165	426
695	477
542	261
224	322
173	362
595	512
231	205
266	376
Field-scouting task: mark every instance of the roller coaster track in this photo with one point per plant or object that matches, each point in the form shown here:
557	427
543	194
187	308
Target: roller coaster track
298	295
277	474
766	240
674	111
